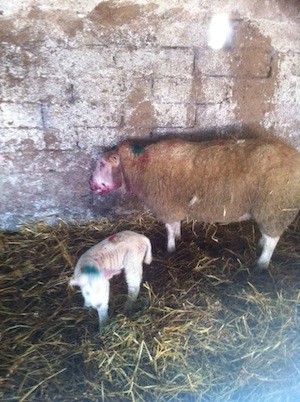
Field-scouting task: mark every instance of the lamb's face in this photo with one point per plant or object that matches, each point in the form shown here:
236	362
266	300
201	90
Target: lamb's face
92	292
94	289
107	175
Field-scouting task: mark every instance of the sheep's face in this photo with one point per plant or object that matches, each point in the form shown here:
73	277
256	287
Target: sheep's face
107	176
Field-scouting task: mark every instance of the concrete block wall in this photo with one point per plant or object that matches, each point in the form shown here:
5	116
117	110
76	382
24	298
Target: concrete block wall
80	75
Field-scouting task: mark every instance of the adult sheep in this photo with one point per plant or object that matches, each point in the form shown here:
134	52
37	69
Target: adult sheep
212	181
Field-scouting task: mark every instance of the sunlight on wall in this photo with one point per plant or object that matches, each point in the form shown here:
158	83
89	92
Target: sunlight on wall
220	31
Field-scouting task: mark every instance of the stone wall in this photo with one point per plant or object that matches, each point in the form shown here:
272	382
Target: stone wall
80	75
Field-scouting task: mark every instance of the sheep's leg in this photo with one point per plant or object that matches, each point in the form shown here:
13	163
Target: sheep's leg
268	245
133	275
178	230
102	308
173	232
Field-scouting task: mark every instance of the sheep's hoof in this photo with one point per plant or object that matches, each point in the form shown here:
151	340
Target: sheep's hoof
171	249
167	254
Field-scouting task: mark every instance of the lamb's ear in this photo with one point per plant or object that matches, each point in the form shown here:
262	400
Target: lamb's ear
90	270
75	282
114	159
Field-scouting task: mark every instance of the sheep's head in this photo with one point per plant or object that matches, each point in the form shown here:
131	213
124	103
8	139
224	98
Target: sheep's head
107	175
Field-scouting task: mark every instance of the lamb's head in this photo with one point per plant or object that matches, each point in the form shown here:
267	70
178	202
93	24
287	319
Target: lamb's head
93	286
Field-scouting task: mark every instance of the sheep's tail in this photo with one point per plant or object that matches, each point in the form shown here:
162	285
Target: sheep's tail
148	254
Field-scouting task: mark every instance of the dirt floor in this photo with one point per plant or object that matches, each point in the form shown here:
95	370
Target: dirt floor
206	326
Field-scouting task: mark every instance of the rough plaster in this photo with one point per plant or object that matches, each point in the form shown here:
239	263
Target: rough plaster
79	76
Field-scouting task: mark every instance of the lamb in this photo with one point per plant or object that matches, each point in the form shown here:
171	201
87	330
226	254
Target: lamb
126	251
211	181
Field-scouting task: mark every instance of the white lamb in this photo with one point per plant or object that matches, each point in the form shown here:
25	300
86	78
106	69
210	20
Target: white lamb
124	250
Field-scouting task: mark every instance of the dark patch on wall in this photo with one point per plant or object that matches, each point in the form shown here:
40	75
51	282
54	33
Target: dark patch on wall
254	64
108	13
142	113
290	8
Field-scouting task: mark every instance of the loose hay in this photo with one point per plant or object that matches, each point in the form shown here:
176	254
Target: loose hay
205	327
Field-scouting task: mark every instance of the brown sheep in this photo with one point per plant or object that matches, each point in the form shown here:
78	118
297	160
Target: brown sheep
213	181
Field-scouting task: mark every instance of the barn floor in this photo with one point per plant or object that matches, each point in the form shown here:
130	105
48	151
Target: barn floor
206	326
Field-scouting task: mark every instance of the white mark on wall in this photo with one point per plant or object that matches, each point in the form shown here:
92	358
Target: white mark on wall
220	31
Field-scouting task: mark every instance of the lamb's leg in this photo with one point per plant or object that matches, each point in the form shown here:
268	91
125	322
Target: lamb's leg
133	275
268	245
102	308
173	232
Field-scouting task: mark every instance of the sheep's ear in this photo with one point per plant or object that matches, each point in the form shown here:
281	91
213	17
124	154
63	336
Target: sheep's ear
137	149
74	282
114	159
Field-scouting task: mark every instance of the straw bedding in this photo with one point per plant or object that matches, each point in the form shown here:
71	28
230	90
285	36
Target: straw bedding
205	327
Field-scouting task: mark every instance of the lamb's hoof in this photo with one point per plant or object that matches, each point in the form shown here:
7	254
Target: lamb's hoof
261	268
103	324
128	308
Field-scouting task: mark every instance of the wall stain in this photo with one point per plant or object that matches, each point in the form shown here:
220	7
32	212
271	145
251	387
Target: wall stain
254	64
